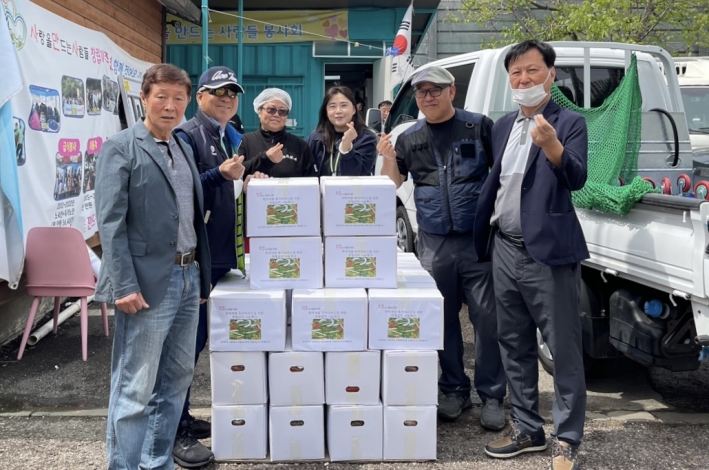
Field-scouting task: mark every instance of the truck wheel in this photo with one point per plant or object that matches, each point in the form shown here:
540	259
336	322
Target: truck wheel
589	303
545	357
547	361
404	233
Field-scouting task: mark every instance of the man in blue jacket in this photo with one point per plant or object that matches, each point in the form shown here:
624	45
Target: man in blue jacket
526	219
214	143
448	157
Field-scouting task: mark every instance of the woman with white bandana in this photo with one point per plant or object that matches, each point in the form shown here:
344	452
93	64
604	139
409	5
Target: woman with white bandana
272	150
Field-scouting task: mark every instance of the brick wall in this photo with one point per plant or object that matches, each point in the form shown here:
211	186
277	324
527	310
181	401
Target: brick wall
135	25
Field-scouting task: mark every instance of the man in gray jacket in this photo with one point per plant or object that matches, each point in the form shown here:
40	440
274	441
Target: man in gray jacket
156	268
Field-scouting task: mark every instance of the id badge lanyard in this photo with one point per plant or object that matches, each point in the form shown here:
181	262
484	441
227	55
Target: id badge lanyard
333	169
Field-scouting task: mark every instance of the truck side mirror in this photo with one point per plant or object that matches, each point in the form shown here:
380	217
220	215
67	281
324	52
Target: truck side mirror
374	119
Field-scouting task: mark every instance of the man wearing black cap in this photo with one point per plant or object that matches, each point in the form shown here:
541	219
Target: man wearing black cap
448	156
214	143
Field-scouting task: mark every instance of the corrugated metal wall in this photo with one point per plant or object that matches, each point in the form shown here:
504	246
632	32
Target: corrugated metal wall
287	66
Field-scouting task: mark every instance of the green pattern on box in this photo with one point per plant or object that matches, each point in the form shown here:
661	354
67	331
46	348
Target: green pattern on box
360	213
328	328
407	327
360	266
241	330
282	214
284	268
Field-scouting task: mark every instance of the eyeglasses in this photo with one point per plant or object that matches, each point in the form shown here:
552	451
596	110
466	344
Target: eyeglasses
435	92
273	111
222	91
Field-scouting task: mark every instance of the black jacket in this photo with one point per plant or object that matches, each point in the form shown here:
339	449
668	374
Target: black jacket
297	158
202	134
357	162
551	230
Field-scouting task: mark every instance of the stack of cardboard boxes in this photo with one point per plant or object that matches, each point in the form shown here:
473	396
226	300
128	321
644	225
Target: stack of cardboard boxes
364	346
359	215
283	225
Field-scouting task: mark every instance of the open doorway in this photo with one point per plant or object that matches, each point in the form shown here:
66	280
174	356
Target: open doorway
358	77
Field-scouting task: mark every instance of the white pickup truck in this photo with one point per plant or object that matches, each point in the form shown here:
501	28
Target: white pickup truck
646	284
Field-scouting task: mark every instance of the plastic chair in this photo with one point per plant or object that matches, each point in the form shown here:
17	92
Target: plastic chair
57	265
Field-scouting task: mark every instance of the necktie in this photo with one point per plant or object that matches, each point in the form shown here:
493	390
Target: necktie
239	226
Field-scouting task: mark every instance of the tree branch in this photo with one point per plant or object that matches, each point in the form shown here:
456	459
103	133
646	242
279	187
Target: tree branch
543	7
652	28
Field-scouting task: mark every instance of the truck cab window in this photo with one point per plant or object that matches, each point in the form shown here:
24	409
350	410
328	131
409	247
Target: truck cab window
604	81
462	74
404	108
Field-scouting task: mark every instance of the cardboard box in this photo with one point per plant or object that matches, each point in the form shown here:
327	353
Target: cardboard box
239	432
296	378
297	433
239	378
329	319
410	432
407	259
241	319
368	262
286	263
358	206
283	207
409	378
354	432
414	277
352	378
404	319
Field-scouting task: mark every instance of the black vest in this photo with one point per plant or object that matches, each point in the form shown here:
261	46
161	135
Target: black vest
446	187
219	200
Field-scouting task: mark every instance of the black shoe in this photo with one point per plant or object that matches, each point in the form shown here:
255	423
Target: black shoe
188	451
200	428
492	415
451	406
515	443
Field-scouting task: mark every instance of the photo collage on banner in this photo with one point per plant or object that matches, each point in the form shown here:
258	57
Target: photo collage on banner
67	109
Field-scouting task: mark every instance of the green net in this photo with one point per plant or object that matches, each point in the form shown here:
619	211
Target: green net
613	148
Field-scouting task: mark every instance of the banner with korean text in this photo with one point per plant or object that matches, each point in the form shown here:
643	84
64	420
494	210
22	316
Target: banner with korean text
263	27
67	108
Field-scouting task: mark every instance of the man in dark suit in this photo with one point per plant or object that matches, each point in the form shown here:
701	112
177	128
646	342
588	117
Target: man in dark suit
525	220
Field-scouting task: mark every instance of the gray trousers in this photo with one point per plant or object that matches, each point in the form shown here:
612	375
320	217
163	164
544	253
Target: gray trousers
530	295
452	262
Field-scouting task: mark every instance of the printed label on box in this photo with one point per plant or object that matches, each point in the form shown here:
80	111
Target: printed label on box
328	328
329	320
360	213
282	214
360	266
284	268
408	328
241	330
405	319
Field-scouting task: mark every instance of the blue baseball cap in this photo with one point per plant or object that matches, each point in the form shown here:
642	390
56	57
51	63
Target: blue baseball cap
217	77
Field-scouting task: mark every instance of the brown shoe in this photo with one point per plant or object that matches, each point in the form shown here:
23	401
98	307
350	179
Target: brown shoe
515	443
563	456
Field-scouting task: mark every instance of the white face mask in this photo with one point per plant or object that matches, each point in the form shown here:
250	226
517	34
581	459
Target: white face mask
530	97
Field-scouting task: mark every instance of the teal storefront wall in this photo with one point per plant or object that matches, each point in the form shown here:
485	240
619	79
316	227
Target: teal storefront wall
287	66
290	66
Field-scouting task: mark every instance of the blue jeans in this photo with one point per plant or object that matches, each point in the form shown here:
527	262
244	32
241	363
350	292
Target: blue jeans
202	335
151	368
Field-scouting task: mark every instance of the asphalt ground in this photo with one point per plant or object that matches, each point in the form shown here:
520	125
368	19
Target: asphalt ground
53	407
